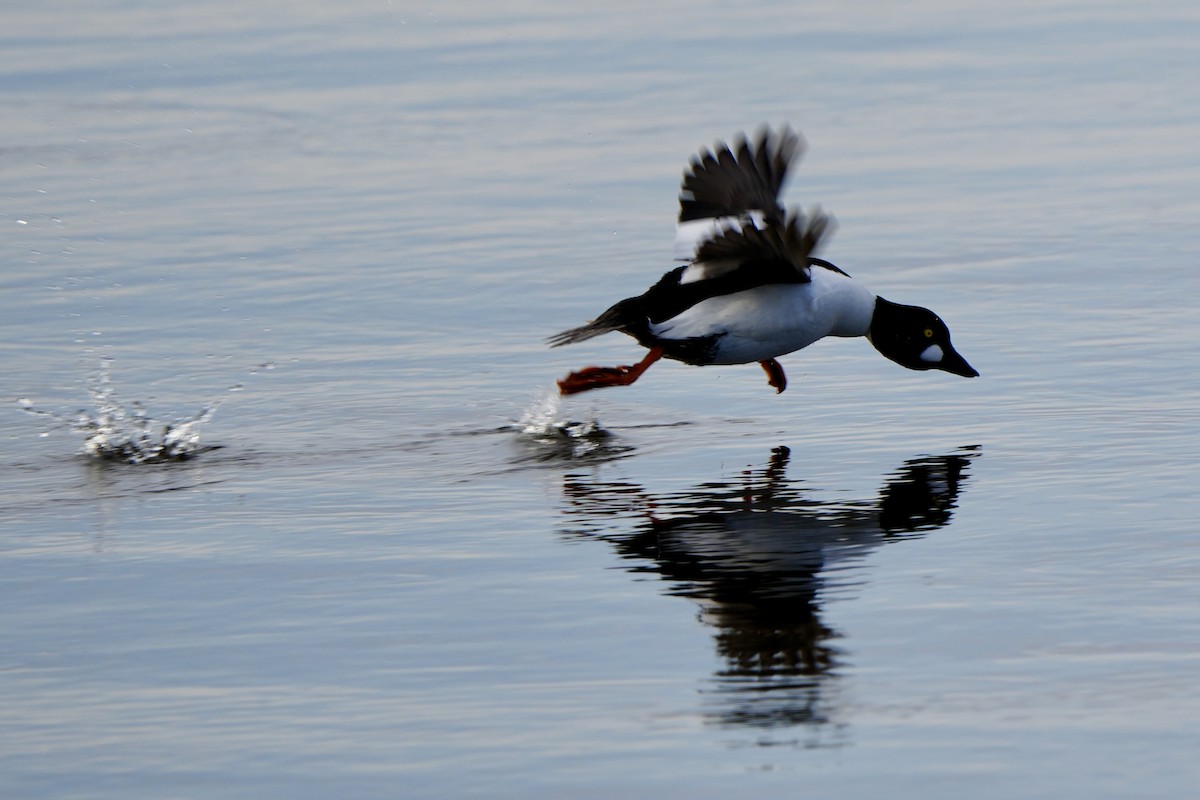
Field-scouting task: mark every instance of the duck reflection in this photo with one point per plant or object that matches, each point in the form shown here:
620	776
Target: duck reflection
760	558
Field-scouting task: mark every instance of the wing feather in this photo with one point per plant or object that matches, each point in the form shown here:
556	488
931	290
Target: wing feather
720	183
774	253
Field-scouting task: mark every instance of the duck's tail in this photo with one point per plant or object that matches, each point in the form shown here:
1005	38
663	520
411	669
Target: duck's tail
624	316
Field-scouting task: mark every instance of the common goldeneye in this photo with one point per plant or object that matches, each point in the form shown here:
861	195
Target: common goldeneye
753	289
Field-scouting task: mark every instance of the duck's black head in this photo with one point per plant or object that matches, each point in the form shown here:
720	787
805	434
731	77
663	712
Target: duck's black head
916	338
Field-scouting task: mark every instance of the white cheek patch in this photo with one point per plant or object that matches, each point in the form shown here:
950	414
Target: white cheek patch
932	354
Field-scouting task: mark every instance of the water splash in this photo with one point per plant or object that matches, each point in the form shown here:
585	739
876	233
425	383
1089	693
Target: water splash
541	420
554	438
126	433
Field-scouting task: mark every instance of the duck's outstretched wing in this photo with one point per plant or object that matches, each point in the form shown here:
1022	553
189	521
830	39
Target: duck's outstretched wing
728	185
737	259
790	244
730	181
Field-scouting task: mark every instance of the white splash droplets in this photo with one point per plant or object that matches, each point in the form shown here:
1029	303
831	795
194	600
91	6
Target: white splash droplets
114	431
557	439
540	419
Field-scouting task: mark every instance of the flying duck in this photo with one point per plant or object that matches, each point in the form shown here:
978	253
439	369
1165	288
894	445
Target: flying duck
752	288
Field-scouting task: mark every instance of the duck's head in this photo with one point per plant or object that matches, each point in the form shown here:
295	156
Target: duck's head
916	338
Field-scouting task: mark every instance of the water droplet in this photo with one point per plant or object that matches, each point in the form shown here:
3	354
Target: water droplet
125	432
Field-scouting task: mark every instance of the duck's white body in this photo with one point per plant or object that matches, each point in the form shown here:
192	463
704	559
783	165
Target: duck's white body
775	319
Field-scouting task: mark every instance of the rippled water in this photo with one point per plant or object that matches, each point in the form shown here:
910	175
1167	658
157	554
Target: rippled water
395	563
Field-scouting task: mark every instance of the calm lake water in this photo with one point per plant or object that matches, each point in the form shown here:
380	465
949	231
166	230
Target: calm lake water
399	567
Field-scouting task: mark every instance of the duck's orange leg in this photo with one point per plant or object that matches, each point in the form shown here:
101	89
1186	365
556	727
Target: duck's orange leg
775	375
599	377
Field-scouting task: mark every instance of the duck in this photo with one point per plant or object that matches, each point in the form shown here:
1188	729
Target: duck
751	288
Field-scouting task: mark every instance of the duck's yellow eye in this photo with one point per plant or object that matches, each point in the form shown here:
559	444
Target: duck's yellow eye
929	333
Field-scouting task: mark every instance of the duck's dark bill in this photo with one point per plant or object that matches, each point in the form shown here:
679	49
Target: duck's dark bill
955	364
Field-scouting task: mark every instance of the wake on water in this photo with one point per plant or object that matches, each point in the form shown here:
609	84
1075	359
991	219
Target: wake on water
124	432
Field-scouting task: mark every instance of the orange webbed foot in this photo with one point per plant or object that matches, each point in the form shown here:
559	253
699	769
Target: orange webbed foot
599	377
775	374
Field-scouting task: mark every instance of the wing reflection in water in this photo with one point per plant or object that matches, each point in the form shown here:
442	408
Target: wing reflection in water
761	559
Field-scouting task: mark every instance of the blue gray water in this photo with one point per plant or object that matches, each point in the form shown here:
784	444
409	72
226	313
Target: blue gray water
395	565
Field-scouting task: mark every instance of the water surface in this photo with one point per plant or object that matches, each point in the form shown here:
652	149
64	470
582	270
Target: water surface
398	566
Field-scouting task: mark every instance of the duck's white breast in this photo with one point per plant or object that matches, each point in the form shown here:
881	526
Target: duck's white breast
769	321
